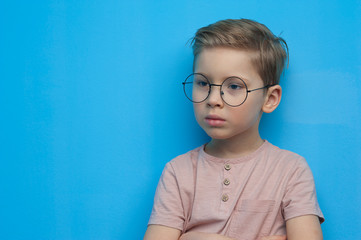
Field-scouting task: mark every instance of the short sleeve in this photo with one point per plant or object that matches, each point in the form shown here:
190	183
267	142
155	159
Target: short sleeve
300	196
167	209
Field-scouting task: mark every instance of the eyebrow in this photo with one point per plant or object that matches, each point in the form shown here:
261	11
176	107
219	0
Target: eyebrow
210	79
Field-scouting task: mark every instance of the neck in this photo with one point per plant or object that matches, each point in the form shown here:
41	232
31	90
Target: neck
237	146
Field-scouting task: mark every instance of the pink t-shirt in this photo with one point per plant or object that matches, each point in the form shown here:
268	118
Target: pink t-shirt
244	198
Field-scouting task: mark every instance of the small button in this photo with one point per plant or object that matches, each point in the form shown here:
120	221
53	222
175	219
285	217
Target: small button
226	182
225	197
227	166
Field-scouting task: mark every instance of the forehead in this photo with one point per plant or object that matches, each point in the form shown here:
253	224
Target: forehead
218	63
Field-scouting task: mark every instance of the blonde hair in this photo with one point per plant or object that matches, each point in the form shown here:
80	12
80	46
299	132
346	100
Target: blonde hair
271	51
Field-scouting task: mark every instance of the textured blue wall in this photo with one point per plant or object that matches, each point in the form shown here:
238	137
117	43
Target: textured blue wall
91	108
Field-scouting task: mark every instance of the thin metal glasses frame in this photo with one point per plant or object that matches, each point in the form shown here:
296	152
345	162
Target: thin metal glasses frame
220	88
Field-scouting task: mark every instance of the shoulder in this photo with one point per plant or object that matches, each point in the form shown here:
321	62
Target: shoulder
277	151
179	174
286	159
183	164
186	159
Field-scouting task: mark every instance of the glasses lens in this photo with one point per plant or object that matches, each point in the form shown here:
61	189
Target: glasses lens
196	88
234	91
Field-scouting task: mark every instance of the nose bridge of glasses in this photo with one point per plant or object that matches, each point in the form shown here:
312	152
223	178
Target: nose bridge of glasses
215	96
212	84
216	85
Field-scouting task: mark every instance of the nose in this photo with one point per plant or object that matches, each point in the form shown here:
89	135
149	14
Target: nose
214	98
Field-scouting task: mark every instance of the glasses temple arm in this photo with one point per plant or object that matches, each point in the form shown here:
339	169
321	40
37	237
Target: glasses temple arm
267	86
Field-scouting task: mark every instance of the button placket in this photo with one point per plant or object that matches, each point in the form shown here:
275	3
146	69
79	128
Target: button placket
227	174
226	182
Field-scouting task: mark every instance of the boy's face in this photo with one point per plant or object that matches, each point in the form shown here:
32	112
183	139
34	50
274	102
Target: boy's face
219	120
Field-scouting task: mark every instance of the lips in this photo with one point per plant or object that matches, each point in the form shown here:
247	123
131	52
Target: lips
214	120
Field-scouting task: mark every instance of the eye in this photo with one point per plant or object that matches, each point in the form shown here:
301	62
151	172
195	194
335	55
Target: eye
201	83
235	86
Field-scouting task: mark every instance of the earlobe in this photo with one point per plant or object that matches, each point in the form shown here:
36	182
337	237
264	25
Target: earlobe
272	99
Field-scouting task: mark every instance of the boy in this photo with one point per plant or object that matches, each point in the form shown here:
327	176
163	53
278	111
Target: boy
237	186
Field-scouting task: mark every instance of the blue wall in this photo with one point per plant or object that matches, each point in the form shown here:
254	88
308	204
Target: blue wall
91	108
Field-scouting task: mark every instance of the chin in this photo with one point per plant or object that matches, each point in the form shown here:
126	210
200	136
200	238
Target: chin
215	135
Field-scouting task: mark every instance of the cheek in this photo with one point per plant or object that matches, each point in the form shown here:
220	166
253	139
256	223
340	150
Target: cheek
198	113
246	114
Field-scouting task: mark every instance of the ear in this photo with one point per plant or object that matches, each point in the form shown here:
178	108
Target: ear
272	99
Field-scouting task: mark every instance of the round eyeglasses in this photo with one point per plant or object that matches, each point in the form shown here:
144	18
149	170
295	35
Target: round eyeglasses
233	90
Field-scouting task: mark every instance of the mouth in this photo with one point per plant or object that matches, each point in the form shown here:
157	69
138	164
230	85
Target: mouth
214	121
